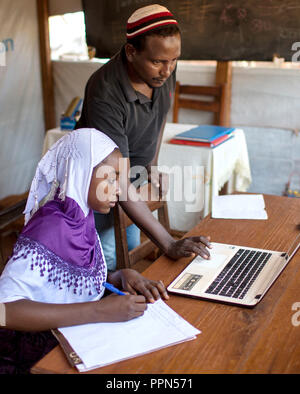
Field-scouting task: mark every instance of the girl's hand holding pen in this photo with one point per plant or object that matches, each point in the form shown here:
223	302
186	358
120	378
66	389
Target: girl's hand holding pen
134	283
116	308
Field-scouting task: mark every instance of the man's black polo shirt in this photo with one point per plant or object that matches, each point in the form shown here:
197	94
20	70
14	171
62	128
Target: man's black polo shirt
130	119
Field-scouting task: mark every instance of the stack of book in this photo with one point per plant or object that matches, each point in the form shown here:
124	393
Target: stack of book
204	135
71	115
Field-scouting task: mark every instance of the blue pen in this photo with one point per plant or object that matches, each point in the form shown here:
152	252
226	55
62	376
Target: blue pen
113	289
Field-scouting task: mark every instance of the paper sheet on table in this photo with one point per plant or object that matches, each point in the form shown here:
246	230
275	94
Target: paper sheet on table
239	206
101	344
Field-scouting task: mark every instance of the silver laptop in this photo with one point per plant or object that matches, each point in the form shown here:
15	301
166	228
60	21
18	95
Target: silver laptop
234	274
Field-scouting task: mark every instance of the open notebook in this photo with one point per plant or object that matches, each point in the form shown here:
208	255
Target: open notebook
91	346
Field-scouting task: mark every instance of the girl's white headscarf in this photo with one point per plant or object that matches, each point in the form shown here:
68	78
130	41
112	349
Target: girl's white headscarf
69	165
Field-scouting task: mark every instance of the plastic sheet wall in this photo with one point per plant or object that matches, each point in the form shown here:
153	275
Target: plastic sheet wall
21	105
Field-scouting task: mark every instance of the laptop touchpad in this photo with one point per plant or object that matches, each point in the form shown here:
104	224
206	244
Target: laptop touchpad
216	260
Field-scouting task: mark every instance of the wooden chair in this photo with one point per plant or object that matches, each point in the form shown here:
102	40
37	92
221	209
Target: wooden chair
217	106
126	259
8	217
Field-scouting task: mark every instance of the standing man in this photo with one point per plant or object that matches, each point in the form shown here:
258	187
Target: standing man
128	99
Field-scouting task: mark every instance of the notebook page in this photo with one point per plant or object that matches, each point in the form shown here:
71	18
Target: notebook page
239	206
101	344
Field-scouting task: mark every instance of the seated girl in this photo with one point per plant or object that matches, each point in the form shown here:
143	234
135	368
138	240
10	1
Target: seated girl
56	275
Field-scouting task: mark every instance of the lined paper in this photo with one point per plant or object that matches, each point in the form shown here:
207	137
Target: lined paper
101	344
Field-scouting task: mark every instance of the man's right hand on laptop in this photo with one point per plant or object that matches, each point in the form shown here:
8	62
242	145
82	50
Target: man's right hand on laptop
191	246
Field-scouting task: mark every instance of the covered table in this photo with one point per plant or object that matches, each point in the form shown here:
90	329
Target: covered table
205	171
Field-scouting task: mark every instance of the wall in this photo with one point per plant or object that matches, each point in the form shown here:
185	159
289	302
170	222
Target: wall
21	108
269	101
265	103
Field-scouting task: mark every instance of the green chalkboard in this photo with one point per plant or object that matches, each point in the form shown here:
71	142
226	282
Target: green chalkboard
211	29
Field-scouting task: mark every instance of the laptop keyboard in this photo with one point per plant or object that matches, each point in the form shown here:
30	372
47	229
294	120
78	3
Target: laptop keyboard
239	274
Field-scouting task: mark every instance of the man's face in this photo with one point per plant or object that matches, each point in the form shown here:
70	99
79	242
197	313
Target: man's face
157	61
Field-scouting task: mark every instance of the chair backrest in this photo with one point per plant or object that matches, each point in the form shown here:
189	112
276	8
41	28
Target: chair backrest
10	214
8	217
217	105
127	259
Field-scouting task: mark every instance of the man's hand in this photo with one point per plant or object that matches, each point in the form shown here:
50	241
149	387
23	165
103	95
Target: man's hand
190	246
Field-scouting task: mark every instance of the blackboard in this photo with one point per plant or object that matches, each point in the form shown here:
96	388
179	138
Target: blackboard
211	29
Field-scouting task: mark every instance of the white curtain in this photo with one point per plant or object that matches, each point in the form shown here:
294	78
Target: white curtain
21	104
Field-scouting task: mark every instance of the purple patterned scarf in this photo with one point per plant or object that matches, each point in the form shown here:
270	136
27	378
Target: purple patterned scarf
63	245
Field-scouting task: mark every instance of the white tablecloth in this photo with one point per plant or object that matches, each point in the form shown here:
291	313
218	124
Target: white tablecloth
199	173
206	172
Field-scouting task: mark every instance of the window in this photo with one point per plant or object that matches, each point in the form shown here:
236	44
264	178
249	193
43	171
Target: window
67	37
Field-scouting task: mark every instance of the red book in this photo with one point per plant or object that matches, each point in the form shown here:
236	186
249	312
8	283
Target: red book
211	144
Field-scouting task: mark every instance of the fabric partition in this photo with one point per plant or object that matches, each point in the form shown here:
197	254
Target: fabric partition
70	79
21	103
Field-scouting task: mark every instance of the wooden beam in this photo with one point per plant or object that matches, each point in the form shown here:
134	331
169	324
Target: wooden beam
200	90
199	104
46	65
224	76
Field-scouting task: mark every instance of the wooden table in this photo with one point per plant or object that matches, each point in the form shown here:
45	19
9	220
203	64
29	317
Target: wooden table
234	339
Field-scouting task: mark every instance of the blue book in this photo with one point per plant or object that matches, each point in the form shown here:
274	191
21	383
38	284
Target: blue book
204	133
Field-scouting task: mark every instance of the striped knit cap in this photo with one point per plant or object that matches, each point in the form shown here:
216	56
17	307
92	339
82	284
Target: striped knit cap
148	18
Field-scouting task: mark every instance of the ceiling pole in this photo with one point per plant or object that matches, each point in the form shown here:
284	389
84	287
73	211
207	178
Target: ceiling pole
46	65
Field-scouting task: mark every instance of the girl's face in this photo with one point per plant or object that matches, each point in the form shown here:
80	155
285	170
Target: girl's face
104	187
